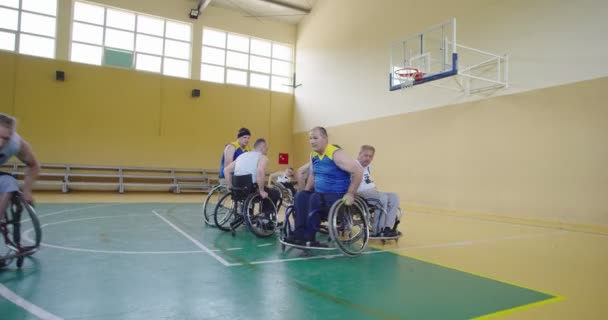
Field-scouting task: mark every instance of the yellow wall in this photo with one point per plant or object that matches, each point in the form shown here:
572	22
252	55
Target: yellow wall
111	116
540	154
343	51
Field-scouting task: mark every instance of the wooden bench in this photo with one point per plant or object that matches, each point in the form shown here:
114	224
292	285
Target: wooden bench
66	177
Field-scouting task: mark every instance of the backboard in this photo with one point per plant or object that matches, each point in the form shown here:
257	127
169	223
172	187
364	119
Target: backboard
432	52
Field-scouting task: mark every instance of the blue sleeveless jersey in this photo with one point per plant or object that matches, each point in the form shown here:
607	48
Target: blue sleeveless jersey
239	151
328	176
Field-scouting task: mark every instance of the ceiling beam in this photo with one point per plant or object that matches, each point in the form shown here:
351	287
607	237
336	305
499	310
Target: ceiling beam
202	4
288	5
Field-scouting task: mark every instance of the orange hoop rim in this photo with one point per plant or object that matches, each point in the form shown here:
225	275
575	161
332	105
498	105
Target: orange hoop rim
406	73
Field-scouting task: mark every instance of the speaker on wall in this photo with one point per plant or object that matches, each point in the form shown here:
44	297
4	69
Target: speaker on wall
196	93
59	75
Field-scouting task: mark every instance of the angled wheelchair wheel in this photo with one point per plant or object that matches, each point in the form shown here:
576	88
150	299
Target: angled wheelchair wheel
260	215
226	211
20	216
349	227
212	200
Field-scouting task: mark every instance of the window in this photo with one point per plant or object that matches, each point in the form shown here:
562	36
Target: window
28	26
121	38
242	60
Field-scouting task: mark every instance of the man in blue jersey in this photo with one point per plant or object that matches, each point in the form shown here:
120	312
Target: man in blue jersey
334	176
234	149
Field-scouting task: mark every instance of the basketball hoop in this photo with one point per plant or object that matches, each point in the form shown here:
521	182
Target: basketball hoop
407	77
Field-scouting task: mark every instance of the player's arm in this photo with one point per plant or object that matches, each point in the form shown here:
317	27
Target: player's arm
229	154
301	176
261	175
310	183
273	176
344	162
228	173
32	170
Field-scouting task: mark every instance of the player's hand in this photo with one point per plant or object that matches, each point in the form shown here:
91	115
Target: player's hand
27	196
348	199
263	194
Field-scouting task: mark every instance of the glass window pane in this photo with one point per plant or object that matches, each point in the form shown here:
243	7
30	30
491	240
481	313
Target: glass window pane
38	24
42	6
237	60
213	55
177	68
120	19
259	81
177	49
7	41
87	33
260	47
259	64
179	31
119	39
238	43
281	52
150	25
149	44
36	46
281	68
212	73
88	13
85	53
9	19
236	77
117	58
281	84
214	38
10	3
147	63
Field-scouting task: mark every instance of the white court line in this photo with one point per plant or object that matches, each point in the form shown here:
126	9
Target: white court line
265	244
427	246
26	237
232	249
196	242
75	209
26	305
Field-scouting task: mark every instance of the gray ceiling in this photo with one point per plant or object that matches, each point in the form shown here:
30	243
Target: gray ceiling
286	11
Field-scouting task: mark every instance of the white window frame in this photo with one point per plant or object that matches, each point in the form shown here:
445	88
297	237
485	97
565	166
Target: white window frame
135	32
18	32
249	55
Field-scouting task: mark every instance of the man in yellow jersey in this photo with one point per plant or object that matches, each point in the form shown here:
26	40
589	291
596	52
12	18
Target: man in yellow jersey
234	149
334	176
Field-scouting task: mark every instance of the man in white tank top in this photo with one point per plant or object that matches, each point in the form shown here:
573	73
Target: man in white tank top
11	144
253	163
367	189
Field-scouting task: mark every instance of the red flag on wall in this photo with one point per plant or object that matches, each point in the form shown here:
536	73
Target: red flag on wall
283	158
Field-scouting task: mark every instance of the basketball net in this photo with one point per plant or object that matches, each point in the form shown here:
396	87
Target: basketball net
407	77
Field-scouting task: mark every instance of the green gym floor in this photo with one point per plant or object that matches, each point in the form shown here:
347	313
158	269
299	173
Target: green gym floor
147	260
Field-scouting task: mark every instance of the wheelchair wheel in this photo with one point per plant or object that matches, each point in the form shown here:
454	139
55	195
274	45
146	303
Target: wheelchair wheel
226	211
260	216
349	227
212	197
14	246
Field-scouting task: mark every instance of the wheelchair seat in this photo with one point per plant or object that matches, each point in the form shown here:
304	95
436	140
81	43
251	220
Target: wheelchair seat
242	187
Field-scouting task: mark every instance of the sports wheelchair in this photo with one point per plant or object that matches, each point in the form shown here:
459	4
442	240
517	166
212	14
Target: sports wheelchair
377	219
348	228
14	247
287	196
215	193
245	204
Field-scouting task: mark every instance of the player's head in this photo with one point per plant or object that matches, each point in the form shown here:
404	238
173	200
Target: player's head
260	145
317	137
289	171
7	127
243	137
366	155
